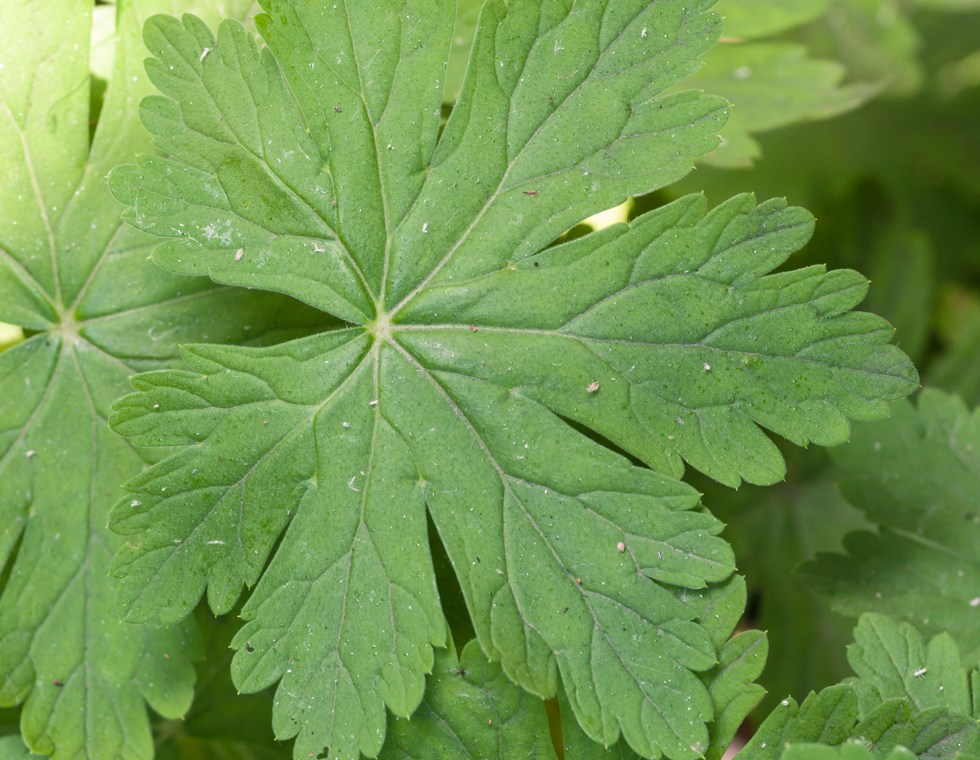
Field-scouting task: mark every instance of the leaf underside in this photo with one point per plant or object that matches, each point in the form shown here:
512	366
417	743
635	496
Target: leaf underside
306	471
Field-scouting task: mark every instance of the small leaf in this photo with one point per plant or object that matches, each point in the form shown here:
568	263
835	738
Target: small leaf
916	476
905	694
471	710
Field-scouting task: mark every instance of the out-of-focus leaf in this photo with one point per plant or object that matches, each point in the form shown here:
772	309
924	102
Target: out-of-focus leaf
957	369
917	476
772	531
221	723
13	748
745	19
875	40
772	85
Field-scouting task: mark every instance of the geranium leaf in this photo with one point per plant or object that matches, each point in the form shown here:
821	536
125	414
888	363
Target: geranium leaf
916	477
906	694
472	358
95	312
471	710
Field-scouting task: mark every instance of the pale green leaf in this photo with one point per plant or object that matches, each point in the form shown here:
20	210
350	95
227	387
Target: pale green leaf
306	472
13	748
96	312
745	19
917	477
772	85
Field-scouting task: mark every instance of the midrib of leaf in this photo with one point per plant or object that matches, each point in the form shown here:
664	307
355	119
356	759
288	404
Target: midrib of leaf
584	341
39	200
512	161
505	481
42	402
361	525
378	163
28	279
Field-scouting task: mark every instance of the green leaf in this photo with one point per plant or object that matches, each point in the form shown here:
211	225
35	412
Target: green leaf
892	662
13	748
96	312
905	694
772	531
772	85
916	476
306	471
847	751
221	723
470	710
746	19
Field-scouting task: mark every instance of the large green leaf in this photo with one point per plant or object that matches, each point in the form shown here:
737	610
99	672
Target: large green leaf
306	471
96	312
917	477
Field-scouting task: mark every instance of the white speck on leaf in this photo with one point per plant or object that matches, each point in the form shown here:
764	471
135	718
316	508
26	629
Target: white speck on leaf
593	387
345	425
707	367
620	547
30	453
975	602
239	253
204	54
920	672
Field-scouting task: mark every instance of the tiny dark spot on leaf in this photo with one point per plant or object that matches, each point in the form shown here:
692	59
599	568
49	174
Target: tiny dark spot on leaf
530	192
58	682
338	109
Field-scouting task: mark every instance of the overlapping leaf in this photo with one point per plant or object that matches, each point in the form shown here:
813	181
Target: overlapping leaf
316	168
96	312
917	477
906	694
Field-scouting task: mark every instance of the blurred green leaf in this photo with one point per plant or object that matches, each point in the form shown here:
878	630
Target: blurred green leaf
746	19
916	476
771	85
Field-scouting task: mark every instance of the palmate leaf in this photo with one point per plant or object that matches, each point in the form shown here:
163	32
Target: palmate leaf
306	471
906	694
916	477
96	311
472	710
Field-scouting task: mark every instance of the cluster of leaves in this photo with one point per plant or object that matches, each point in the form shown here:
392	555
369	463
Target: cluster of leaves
388	405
